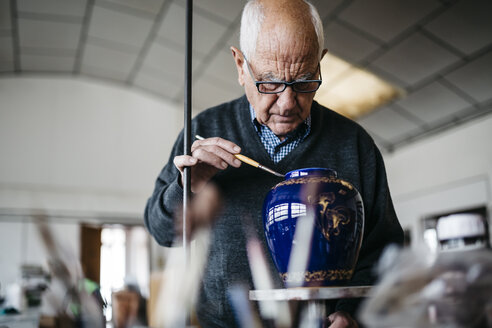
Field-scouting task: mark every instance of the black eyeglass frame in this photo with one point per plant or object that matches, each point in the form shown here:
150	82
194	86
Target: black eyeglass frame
284	83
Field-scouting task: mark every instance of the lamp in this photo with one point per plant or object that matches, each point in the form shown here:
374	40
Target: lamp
352	91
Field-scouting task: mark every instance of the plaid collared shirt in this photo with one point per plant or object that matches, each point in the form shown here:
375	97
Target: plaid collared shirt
276	148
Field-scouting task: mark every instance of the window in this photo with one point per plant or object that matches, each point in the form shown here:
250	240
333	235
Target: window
125	260
281	212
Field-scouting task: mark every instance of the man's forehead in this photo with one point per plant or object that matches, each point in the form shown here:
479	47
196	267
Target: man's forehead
287	47
286	58
288	42
280	70
282	56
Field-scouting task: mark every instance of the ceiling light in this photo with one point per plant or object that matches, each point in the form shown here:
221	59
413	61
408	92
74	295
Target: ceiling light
352	91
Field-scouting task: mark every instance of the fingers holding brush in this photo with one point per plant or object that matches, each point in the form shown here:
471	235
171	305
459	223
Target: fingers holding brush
216	151
239	157
208	156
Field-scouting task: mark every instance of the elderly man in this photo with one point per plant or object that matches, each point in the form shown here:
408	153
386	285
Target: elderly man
278	124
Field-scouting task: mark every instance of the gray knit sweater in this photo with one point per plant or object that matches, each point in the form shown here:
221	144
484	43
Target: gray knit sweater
335	142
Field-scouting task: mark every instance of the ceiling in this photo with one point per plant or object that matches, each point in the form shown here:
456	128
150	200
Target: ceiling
438	52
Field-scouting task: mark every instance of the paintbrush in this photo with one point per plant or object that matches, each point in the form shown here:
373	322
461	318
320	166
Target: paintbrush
250	161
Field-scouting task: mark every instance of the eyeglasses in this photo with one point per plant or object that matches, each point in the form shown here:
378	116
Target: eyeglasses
271	87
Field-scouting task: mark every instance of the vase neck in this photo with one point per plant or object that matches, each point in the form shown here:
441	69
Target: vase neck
312	171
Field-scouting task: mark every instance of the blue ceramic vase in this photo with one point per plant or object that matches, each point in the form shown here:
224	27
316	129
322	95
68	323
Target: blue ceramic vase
338	217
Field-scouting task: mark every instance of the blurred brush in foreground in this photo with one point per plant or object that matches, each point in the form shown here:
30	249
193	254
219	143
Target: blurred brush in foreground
71	300
181	280
202	213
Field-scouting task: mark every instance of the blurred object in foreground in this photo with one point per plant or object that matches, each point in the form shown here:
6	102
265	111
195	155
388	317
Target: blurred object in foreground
450	289
201	214
125	308
180	281
277	313
246	315
67	302
129	305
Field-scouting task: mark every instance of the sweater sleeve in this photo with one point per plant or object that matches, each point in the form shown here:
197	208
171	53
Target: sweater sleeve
381	224
166	198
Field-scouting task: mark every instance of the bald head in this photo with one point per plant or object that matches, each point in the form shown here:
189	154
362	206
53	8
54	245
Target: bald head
286	11
287	31
281	25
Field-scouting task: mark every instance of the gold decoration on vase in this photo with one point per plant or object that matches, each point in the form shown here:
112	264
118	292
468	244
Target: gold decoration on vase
322	275
314	179
330	220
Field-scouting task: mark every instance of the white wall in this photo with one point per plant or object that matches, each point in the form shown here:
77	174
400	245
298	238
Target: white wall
80	145
446	172
75	147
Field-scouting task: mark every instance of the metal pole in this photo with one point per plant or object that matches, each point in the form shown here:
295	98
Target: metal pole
187	138
187	119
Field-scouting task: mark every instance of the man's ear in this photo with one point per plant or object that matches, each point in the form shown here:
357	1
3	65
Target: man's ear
239	61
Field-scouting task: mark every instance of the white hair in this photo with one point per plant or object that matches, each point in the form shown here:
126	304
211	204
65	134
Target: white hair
252	18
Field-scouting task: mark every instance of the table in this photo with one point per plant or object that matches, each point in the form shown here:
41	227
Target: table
27	319
313	312
309	293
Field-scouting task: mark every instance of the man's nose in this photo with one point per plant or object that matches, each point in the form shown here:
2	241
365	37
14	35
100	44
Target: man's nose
287	99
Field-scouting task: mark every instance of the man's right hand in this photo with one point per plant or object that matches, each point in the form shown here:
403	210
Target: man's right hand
341	319
208	156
